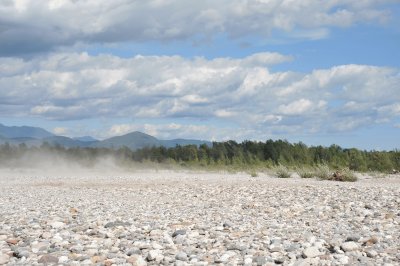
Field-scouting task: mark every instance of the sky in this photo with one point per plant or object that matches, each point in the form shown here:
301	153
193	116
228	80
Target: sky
320	72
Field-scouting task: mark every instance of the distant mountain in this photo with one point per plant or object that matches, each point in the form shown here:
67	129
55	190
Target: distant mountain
35	136
24	132
66	142
183	142
86	139
135	140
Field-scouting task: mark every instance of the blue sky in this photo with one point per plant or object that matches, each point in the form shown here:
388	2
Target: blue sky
320	72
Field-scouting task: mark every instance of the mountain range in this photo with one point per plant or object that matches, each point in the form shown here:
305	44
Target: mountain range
35	136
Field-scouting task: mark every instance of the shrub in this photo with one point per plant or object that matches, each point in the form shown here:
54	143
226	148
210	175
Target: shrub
253	173
282	172
345	175
323	172
305	173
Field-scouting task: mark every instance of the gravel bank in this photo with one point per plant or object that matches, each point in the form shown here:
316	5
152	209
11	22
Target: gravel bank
186	218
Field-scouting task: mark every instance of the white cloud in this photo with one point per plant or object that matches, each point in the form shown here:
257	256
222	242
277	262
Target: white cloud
31	26
75	86
301	107
60	130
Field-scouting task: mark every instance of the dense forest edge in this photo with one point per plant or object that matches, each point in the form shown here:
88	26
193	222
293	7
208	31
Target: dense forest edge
220	155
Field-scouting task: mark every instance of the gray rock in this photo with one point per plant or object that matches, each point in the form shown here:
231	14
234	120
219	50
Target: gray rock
178	232
259	260
353	238
116	223
181	256
227	224
21	252
48	259
133	251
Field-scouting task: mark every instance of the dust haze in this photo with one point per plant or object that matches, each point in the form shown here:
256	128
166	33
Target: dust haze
50	163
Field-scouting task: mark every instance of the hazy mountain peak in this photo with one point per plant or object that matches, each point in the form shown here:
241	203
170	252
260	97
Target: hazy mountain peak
24	132
85	138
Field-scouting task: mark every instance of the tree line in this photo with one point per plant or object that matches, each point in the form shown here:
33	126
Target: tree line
229	153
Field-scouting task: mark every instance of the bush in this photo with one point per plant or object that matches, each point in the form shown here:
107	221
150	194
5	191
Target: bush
282	172
323	172
345	175
305	173
253	173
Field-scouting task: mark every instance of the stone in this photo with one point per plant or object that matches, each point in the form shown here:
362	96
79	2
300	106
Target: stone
311	252
371	241
152	255
181	256
353	238
12	241
63	259
20	252
46	235
344	260
227	224
259	260
349	246
48	259
179	232
4	259
371	253
136	260
222	259
108	262
133	251
57	225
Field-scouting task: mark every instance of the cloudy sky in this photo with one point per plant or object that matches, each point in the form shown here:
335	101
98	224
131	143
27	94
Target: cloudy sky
320	72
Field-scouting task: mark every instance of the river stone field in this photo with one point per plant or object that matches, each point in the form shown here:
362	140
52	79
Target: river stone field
196	218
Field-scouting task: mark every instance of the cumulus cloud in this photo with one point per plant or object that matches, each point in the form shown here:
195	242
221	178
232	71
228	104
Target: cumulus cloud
60	130
30	26
242	92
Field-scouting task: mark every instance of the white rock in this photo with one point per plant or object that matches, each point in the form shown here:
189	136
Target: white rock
63	259
4	259
344	260
156	246
152	255
349	246
57	225
248	261
137	260
311	252
371	253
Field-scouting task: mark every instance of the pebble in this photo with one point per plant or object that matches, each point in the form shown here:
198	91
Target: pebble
371	253
57	225
4	259
311	252
136	260
48	259
181	256
349	246
184	218
179	232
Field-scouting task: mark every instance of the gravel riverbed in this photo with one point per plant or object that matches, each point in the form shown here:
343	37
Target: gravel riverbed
195	218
